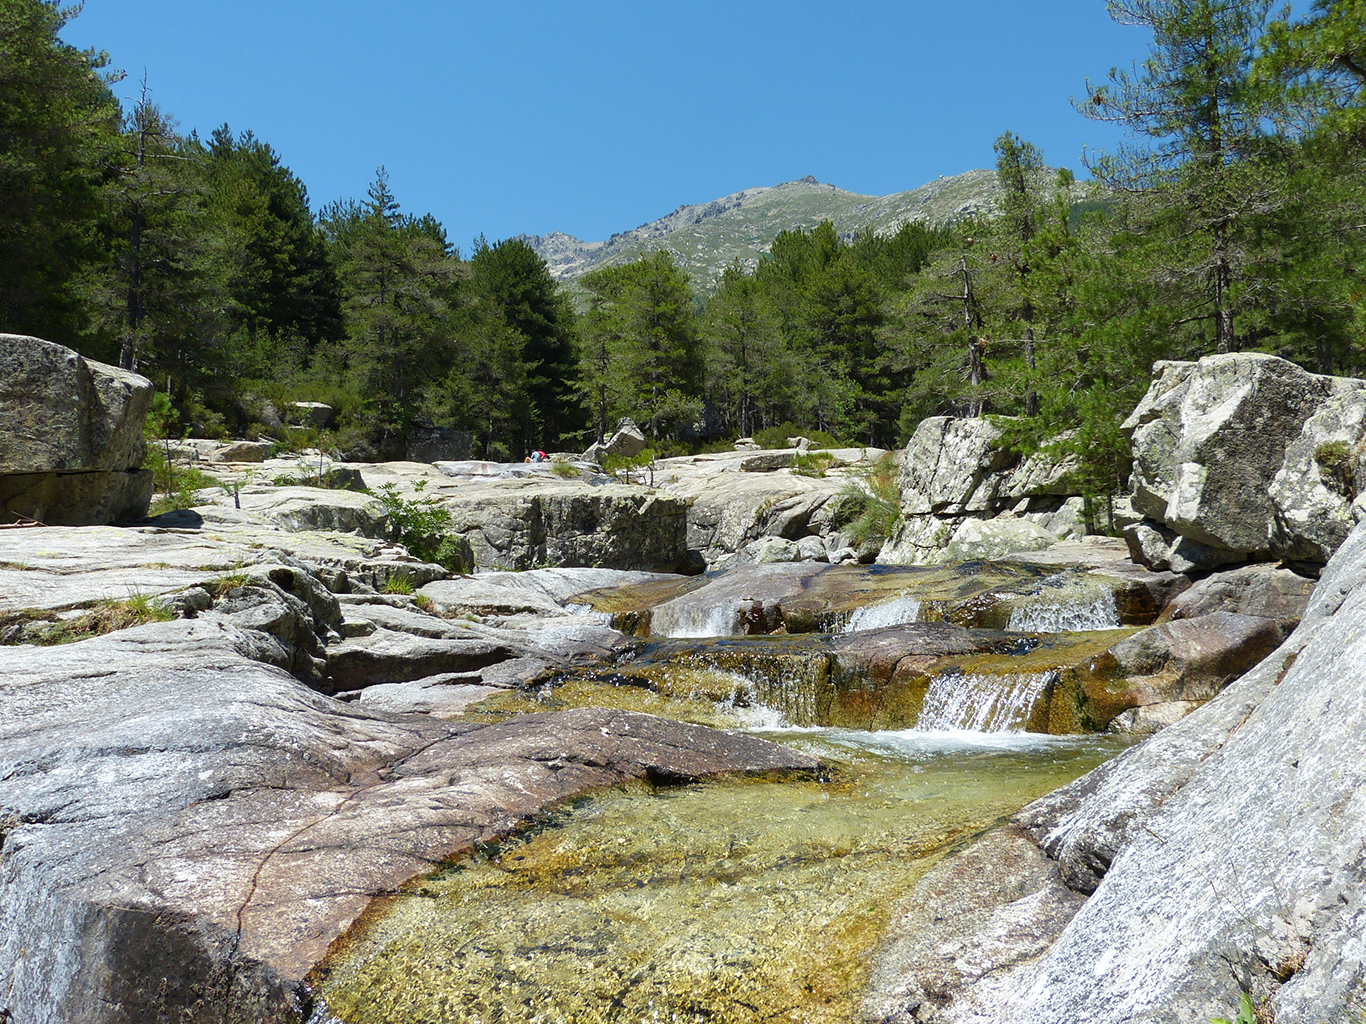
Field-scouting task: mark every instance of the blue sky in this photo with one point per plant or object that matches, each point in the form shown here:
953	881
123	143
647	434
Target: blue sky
596	116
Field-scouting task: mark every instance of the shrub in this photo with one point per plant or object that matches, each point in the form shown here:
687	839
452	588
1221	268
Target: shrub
873	505
422	525
624	466
776	437
1338	461
812	463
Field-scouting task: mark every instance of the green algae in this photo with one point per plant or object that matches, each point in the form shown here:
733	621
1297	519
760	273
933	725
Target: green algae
736	901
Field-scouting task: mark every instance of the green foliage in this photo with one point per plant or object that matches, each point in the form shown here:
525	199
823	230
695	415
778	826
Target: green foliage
1338	460
564	470
1247	1013
421	525
1230	221
628	467
398	585
511	277
223	585
871	507
59	126
812	463
397	292
640	352
107	616
777	437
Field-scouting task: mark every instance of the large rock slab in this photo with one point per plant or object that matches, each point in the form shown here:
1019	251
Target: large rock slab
186	831
1210	438
968	930
1317	490
71	445
1223	856
955	466
1263	590
61	412
613	527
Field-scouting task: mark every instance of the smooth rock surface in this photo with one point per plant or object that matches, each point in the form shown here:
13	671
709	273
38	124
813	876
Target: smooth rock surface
71	445
186	830
1224	855
1264	590
952	466
61	412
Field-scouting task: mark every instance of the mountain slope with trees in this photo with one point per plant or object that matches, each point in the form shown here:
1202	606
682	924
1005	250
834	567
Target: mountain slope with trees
1230	221
706	238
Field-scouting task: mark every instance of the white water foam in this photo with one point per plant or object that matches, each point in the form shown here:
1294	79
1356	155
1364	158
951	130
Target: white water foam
587	611
982	703
889	613
1065	617
688	620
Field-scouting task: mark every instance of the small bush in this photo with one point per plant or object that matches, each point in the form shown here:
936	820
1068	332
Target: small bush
624	467
1338	461
178	486
421	525
398	585
776	437
565	470
425	603
451	554
812	463
873	506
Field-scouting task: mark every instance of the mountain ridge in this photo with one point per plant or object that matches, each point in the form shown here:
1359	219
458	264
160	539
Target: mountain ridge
705	238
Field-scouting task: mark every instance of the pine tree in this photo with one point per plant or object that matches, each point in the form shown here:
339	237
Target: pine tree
397	277
643	343
1204	120
513	278
59	129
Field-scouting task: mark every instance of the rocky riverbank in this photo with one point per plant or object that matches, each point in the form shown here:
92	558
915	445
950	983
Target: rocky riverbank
194	808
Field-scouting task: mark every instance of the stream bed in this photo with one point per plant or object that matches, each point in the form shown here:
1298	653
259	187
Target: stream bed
754	899
734	900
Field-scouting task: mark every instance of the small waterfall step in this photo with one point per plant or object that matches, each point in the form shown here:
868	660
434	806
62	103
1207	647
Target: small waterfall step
983	703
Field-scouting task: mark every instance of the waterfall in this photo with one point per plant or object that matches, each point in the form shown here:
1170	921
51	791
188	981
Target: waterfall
982	703
1053	616
889	613
691	619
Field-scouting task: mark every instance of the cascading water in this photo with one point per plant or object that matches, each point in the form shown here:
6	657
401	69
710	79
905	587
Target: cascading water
692	621
1064	616
742	900
890	613
982	703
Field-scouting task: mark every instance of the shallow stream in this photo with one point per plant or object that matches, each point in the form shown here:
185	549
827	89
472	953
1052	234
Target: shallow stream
737	900
726	901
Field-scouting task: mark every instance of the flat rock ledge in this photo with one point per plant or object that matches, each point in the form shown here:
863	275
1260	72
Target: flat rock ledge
184	831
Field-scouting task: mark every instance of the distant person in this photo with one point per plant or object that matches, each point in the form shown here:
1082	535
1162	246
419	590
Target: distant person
536	456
